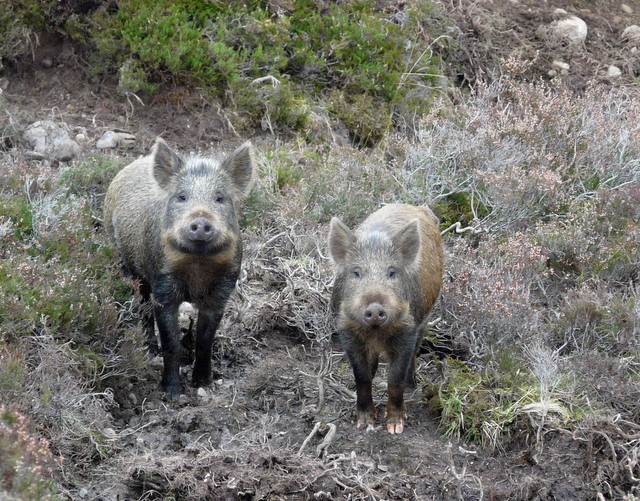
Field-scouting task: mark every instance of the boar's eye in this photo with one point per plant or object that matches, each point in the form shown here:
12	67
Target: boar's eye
219	198
356	272
182	197
392	272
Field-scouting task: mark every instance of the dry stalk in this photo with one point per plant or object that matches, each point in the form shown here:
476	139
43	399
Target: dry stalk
461	476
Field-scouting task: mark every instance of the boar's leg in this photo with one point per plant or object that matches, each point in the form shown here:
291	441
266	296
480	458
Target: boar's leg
167	319
411	373
205	332
401	360
363	369
147	319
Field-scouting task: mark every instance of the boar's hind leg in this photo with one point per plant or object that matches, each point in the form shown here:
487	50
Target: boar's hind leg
401	362
205	332
411	373
167	319
147	320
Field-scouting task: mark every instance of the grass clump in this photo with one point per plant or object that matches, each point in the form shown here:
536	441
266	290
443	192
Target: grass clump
482	406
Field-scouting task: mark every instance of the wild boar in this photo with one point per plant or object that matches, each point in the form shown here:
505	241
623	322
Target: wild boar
175	225
389	272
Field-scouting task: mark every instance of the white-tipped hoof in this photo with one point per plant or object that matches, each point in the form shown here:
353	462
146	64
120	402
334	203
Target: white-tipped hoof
395	428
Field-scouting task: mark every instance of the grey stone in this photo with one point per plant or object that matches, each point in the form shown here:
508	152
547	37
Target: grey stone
631	33
111	139
571	29
51	140
614	72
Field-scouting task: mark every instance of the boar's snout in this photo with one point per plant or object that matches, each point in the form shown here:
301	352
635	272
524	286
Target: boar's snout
200	229
375	315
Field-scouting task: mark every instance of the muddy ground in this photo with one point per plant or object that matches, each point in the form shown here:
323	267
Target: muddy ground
250	436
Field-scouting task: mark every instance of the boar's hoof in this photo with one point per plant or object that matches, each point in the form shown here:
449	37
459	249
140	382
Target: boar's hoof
395	428
153	348
366	419
200	381
395	423
172	391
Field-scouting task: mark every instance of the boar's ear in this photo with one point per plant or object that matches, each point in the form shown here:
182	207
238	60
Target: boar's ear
341	239
240	166
407	242
165	163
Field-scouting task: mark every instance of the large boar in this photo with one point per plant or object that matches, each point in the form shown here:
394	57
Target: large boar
389	273
176	228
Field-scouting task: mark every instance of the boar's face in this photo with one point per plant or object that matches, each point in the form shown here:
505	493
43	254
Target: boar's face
202	196
375	273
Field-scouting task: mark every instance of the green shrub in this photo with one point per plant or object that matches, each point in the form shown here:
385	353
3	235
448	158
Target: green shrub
20	21
367	119
222	48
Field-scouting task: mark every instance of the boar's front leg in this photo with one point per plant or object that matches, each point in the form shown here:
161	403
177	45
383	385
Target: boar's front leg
363	370
167	320
206	328
401	356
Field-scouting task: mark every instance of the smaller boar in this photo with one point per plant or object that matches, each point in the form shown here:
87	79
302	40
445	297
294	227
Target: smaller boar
175	225
389	273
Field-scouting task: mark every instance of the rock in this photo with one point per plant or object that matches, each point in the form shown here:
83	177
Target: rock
571	29
111	139
51	140
46	62
560	65
81	138
82	493
614	72
626	9
109	433
631	33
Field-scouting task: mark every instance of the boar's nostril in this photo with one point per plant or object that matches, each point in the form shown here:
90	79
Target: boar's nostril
374	314
200	229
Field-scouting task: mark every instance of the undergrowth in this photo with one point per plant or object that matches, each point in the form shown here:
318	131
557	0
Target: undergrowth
369	60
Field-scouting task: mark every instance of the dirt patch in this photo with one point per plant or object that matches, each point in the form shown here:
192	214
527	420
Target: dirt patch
487	35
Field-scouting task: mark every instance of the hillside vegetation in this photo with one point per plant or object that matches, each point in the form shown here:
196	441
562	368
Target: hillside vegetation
529	383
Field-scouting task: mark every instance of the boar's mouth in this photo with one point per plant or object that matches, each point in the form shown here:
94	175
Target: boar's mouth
200	248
